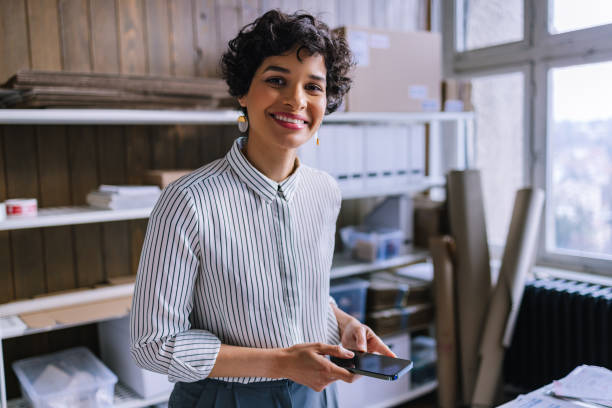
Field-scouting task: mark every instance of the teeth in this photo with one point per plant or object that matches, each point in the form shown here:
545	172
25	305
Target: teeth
290	120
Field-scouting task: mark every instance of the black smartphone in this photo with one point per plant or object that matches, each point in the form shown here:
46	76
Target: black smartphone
374	365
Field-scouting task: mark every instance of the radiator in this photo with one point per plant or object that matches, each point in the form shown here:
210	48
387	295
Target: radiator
561	324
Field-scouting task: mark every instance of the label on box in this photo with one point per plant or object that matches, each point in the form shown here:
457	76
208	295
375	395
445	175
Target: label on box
380	41
453	105
358	41
417	91
430	105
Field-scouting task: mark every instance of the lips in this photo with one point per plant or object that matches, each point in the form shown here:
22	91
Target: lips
289	121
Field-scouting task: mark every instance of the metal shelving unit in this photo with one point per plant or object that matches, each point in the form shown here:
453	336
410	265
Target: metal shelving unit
49	217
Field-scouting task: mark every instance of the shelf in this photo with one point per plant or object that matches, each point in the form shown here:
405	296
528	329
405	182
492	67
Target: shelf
56	216
392	188
12	326
343	265
408	396
192	117
397	117
124	398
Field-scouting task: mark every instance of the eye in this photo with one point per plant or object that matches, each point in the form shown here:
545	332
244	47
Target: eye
275	81
314	87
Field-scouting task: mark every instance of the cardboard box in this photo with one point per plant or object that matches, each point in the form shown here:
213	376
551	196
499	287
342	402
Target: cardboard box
395	72
162	178
457	95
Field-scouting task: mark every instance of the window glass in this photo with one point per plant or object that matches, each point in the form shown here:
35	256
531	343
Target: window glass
484	23
498	103
579	161
571	15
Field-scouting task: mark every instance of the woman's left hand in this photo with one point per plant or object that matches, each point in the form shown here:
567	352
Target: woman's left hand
358	336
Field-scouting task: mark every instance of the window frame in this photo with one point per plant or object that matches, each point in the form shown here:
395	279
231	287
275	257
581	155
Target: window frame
535	55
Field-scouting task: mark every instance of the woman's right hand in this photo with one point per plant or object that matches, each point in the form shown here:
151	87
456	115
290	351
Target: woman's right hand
306	364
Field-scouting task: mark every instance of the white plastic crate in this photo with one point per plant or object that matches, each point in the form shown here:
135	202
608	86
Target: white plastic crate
69	378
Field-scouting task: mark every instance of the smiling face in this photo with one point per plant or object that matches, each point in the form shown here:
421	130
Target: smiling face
286	100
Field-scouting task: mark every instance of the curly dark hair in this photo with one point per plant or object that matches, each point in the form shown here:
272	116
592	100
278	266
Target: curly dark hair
275	33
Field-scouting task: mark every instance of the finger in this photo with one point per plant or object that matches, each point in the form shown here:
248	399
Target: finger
340	373
336	351
376	345
360	339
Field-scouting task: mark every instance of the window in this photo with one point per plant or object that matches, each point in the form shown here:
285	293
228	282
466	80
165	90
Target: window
571	15
541	73
498	103
489	22
580	160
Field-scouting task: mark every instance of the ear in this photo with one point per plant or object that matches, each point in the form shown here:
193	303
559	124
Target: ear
242	101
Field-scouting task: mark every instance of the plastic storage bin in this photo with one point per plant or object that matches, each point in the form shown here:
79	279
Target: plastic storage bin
350	295
424	357
378	244
114	338
71	378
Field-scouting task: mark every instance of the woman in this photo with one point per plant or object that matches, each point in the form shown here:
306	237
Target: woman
232	295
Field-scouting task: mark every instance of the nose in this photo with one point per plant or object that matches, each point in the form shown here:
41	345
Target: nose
295	97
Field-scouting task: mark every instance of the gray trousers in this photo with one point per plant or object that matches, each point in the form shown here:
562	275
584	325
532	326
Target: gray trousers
210	393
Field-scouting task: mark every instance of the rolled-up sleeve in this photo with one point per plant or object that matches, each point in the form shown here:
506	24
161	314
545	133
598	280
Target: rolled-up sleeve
162	339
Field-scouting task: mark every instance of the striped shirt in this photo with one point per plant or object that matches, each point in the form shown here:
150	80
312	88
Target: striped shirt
231	256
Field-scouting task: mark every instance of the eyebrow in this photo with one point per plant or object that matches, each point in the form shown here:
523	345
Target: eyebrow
286	71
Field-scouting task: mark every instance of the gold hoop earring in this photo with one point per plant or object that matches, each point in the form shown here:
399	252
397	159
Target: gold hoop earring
243	123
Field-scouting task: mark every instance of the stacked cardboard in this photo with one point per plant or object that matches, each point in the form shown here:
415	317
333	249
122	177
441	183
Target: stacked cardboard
397	302
44	89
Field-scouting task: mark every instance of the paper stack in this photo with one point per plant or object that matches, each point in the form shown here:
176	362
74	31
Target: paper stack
585	386
586	383
113	197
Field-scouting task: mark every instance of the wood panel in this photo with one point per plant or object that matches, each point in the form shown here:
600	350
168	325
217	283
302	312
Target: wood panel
112	170
104	42
158	37
55	191
131	37
83	159
44	35
227	15
206	39
163	148
138	160
75	34
249	11
187	147
182	35
6	272
14	47
22	182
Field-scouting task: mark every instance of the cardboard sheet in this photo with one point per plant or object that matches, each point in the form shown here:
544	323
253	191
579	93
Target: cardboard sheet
76	314
442	252
517	261
473	275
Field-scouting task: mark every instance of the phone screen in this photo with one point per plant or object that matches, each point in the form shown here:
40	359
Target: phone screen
374	365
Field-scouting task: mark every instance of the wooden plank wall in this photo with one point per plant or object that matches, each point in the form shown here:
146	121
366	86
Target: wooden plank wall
59	165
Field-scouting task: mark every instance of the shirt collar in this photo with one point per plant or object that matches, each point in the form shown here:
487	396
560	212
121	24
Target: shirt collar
267	188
